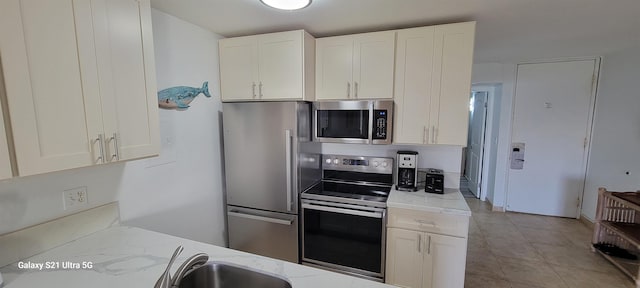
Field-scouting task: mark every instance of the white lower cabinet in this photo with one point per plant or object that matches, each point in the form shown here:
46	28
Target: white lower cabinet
420	259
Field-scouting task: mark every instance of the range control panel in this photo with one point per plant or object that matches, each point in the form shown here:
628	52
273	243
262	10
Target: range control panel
358	163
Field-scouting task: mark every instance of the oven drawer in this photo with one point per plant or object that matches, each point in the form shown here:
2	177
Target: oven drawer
445	224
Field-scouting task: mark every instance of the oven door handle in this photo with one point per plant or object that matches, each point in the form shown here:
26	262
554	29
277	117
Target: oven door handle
343	211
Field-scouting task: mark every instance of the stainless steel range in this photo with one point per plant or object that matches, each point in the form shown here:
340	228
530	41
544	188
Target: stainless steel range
344	216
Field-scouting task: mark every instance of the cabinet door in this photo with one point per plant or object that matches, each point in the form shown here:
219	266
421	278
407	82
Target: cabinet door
334	67
452	82
373	65
280	65
412	96
405	253
127	78
239	68
445	261
50	73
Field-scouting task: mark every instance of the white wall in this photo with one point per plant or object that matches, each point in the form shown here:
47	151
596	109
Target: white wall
502	74
447	158
615	142
28	201
181	193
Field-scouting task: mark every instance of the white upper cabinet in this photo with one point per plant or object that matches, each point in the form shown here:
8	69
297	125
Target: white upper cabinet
275	66
127	79
356	66
238	68
65	78
50	71
433	84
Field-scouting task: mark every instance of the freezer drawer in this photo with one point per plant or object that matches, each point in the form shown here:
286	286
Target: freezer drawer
264	233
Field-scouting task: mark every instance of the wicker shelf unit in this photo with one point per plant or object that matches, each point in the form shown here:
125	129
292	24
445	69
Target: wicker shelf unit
618	224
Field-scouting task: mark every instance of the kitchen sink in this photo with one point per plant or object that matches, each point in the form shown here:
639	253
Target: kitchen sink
227	275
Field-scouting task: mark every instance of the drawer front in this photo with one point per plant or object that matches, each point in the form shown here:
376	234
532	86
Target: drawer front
453	225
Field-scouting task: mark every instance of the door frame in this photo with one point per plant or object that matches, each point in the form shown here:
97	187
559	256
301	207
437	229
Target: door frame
595	83
492	89
483	165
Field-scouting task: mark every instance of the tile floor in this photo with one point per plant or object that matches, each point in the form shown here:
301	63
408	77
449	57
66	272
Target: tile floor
521	250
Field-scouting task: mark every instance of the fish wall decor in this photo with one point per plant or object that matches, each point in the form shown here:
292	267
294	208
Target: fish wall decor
179	97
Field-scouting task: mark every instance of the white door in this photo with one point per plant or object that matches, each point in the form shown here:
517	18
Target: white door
127	81
334	67
405	257
373	65
551	117
412	94
475	151
453	58
239	68
280	65
5	158
444	262
50	75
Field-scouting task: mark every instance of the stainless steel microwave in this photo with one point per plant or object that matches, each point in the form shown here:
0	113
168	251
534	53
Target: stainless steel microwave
363	122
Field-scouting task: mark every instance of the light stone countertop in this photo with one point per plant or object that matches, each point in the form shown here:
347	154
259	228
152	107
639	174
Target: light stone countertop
451	202
131	257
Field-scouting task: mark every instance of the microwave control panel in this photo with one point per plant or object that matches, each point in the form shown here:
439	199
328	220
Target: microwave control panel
379	124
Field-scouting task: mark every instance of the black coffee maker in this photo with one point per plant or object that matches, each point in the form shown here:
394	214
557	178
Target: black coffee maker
407	173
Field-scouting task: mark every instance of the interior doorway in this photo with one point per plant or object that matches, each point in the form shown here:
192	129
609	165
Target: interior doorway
478	105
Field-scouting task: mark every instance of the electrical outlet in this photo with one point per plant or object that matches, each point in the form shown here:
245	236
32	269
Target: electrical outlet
75	198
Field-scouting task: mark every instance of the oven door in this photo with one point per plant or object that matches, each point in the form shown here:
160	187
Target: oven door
343	121
344	237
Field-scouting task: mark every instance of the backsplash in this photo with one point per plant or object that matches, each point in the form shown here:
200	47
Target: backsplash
447	158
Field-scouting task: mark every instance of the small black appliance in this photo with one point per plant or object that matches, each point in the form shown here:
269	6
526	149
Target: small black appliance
434	181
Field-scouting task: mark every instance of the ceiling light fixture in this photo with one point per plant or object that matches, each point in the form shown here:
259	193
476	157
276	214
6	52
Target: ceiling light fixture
287	4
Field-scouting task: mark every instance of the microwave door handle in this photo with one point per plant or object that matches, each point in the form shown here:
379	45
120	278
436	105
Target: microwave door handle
371	129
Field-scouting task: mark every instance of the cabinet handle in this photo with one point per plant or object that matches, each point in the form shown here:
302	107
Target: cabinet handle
348	90
355	89
426	223
425	135
100	141
253	89
260	89
116	153
433	134
419	241
429	246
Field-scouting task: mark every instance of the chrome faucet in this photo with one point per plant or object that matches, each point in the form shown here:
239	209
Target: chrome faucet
195	261
190	264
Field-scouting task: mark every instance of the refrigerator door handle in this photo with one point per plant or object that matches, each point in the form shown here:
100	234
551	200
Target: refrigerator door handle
287	141
260	218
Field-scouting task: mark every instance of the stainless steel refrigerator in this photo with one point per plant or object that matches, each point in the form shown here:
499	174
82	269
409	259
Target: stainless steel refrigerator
266	167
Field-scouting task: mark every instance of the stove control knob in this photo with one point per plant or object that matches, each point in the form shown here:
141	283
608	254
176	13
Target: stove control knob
336	161
375	164
385	164
328	161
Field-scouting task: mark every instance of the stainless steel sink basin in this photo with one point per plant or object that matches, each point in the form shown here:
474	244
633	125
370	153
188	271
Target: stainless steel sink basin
227	275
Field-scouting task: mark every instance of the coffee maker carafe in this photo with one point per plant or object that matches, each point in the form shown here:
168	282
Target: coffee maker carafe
407	173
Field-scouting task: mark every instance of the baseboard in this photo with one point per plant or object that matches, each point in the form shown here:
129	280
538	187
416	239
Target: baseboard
36	239
495	208
586	221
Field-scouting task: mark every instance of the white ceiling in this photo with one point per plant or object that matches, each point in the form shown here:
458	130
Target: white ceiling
507	30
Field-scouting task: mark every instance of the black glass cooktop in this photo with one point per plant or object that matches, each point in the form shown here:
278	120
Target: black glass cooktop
349	190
